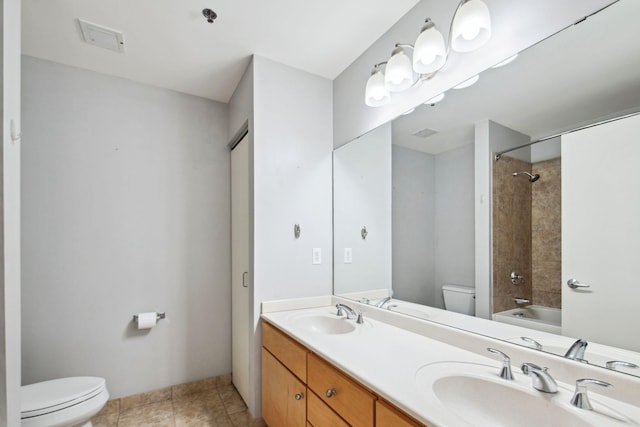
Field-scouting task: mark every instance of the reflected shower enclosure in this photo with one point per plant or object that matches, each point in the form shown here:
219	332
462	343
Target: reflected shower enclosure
527	230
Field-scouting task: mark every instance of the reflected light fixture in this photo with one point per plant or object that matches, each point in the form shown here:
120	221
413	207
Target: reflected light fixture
468	82
509	60
376	94
435	99
470	28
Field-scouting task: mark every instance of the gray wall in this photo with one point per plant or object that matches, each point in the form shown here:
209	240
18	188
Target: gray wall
362	197
433	223
126	209
413	225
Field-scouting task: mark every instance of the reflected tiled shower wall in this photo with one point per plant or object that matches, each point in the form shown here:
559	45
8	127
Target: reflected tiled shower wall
511	232
546	234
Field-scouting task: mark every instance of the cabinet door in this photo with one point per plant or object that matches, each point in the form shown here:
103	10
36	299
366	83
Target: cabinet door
283	395
388	416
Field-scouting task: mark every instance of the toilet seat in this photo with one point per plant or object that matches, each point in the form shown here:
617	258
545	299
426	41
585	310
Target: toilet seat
51	396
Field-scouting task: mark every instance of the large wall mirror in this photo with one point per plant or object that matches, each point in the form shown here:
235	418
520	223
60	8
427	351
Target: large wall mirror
404	195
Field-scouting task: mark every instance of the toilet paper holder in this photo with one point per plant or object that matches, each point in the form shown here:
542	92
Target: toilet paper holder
158	317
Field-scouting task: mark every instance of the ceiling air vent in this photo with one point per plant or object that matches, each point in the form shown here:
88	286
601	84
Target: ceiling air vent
100	36
425	133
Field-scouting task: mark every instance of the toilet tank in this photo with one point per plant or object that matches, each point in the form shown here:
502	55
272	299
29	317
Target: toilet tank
461	299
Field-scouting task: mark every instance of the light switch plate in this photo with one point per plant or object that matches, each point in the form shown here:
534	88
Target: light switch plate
348	255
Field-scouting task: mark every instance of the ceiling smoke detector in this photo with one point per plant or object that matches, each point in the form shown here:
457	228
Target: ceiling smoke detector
210	15
425	133
100	36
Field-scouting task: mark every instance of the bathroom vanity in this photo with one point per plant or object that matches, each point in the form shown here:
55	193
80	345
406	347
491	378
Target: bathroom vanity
320	369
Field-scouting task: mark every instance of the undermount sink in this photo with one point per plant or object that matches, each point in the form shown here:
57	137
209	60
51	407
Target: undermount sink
324	324
474	395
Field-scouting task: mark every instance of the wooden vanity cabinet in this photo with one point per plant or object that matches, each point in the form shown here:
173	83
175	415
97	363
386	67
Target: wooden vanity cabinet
300	388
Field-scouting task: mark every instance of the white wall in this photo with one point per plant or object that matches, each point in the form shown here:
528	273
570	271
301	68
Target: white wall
413	216
10	216
490	137
292	148
362	197
126	209
515	26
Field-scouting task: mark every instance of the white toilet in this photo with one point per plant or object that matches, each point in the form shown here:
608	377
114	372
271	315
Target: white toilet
461	299
64	402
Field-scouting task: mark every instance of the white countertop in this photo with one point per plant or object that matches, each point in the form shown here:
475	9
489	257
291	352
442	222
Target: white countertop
386	357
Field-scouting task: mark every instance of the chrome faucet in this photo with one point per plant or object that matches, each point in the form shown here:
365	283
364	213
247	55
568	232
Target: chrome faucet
576	351
505	372
350	313
533	342
382	302
540	378
345	309
580	398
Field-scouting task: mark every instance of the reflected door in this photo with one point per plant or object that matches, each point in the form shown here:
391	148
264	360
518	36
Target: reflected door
601	233
240	319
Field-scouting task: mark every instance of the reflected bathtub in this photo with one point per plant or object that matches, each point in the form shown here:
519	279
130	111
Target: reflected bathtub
534	317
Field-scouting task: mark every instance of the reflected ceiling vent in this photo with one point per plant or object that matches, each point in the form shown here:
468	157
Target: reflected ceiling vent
100	36
425	133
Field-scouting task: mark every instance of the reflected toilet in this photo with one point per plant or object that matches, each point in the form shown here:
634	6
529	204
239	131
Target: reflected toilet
459	298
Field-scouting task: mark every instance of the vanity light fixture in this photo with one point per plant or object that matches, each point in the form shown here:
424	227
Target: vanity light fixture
376	94
469	29
468	82
398	74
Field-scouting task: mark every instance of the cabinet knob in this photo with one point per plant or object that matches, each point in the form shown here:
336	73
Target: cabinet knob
331	392
299	396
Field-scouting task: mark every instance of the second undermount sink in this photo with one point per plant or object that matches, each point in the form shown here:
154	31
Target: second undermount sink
324	324
474	395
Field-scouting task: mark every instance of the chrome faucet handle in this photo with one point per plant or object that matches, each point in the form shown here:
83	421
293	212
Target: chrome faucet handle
360	319
580	398
535	343
612	364
541	380
505	372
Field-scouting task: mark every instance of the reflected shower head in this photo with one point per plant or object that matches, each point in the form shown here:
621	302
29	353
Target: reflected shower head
532	178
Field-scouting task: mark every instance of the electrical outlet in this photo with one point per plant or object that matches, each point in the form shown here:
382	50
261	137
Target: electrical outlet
316	256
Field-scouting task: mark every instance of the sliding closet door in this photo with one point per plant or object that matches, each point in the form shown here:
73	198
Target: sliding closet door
240	319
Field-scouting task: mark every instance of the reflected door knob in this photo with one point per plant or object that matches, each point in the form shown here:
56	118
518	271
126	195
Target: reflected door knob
574	284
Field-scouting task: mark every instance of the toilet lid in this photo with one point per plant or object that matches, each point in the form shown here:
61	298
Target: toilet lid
49	396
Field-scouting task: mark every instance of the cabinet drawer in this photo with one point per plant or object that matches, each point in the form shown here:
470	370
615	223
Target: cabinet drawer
319	414
283	395
290	353
389	416
350	400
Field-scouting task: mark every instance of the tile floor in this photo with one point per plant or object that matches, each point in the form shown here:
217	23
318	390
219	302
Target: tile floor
213	402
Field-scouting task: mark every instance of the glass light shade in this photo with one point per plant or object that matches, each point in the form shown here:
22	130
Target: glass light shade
398	75
468	82
376	94
430	53
471	26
